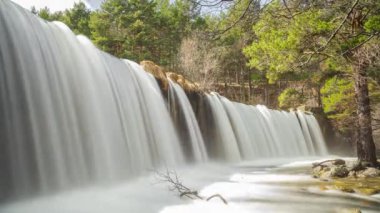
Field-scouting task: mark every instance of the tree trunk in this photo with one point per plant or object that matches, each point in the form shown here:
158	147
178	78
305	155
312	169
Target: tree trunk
366	150
250	93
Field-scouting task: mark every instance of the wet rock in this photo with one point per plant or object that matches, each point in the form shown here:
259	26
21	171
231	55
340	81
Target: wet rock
369	172
339	171
325	172
351	177
354	166
320	171
352	174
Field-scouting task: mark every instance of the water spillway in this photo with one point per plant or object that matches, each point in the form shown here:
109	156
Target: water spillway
72	115
186	122
245	132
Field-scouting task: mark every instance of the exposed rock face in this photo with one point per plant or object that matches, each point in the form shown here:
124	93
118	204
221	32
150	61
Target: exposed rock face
184	83
157	71
162	77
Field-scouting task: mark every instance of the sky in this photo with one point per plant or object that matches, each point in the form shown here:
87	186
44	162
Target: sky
56	5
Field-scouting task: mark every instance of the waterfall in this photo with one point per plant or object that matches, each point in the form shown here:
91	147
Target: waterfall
250	132
181	109
72	115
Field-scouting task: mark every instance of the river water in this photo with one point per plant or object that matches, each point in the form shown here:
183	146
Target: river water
248	187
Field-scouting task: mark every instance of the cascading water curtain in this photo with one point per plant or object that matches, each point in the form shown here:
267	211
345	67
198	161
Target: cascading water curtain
71	114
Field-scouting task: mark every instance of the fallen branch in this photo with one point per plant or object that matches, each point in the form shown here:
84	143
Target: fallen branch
335	161
175	184
219	196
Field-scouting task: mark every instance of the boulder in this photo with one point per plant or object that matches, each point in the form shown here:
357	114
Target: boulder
369	172
327	172
339	171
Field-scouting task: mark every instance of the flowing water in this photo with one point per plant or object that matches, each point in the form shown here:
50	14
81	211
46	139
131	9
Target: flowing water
79	125
181	109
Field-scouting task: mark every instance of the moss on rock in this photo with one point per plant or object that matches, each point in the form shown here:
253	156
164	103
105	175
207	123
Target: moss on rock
347	177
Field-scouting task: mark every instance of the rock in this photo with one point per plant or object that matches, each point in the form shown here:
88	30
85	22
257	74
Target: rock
330	172
184	83
163	75
173	76
157	71
354	166
319	171
352	174
325	175
369	172
339	171
366	164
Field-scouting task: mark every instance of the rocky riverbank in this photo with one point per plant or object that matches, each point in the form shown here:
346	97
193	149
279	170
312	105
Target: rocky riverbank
347	176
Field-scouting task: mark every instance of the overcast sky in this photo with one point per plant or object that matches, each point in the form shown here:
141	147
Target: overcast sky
56	5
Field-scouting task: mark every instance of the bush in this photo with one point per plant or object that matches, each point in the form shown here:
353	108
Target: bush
289	98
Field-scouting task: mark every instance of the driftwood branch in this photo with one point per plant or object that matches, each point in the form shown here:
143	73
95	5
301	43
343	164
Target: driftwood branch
219	196
175	184
327	161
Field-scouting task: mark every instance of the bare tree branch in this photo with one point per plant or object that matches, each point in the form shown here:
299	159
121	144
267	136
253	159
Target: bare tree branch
339	27
359	45
175	184
236	21
332	36
209	3
287	8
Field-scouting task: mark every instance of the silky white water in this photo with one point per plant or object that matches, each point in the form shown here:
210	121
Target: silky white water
73	116
250	132
179	101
